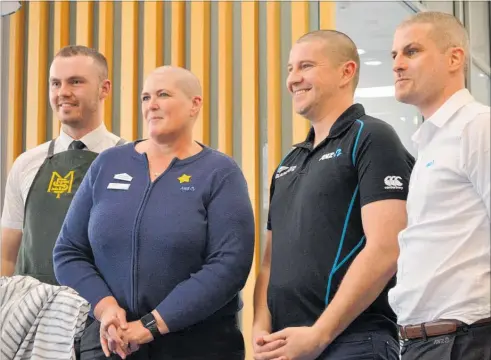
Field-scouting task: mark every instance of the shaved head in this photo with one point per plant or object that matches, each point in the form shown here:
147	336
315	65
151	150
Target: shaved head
184	79
446	31
339	47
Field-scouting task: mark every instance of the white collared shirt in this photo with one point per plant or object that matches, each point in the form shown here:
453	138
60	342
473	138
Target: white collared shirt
26	166
444	263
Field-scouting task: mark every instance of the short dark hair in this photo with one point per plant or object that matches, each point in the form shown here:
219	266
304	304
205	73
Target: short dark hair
342	47
80	50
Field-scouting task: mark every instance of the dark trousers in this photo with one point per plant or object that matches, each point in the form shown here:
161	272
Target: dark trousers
362	346
217	340
469	343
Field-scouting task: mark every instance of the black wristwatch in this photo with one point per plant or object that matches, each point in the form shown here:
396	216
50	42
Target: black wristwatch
150	323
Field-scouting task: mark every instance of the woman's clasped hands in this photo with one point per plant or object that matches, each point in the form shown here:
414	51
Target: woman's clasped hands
118	336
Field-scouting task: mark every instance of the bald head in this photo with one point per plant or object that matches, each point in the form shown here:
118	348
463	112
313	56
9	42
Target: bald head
339	48
184	79
446	31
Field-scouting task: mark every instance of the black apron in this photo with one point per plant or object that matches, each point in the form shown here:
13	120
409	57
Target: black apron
47	203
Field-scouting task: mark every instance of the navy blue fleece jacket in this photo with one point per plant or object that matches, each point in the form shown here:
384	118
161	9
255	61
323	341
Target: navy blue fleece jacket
182	245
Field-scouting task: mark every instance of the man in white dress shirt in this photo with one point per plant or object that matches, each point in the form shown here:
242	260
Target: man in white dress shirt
442	296
43	180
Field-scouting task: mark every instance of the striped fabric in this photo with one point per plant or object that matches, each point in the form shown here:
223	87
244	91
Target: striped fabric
39	321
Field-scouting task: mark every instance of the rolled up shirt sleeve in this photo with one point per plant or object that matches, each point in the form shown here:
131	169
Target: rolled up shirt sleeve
228	258
72	255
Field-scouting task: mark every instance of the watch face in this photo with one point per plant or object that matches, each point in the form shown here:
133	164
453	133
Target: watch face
148	320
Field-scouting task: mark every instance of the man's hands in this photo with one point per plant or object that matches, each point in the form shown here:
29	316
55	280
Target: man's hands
260	345
296	343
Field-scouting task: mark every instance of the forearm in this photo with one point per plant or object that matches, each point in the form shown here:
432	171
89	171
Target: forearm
365	279
204	293
74	268
11	240
8	267
262	316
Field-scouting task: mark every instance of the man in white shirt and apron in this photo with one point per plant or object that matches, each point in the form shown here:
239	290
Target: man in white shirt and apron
43	180
442	296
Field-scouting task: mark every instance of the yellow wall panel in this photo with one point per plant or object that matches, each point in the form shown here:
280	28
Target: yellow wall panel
327	15
250	144
153	41
300	26
273	30
61	32
85	23
106	40
178	43
16	86
129	71
37	74
200	64
225	78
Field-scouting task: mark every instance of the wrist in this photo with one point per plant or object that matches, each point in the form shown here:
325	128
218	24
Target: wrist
261	326
322	335
102	305
161	325
150	323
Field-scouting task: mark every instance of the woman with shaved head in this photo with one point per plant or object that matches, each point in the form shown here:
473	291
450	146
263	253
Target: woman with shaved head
160	238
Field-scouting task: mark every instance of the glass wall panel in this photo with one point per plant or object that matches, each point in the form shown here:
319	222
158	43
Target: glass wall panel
372	31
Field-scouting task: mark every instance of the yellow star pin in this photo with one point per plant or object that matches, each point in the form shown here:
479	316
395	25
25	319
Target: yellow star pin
184	178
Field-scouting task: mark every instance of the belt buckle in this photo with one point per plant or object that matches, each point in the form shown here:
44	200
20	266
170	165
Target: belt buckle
403	333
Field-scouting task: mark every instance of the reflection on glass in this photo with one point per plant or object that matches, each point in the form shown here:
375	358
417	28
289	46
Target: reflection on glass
372	32
480	85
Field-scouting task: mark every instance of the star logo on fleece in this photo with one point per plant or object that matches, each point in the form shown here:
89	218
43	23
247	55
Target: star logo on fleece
184	178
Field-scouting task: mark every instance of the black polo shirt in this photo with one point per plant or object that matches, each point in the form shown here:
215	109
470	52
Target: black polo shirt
316	198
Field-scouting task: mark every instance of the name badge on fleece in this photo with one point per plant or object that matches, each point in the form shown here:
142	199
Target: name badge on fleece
118	186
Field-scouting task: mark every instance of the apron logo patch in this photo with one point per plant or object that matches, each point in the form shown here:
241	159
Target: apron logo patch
61	184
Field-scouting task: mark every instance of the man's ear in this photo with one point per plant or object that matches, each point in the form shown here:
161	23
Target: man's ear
456	59
348	72
197	102
105	89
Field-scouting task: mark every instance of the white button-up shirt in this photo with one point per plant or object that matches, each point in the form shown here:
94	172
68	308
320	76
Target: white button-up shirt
26	166
444	263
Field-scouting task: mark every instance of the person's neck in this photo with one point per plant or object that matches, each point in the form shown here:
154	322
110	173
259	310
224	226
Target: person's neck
181	148
324	122
78	133
431	106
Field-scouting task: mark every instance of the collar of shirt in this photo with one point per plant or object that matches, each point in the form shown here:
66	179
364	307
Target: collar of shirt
443	114
91	140
343	123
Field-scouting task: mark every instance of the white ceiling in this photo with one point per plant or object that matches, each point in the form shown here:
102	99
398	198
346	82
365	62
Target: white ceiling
371	26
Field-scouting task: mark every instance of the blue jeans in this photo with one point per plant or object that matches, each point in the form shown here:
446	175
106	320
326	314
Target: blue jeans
377	345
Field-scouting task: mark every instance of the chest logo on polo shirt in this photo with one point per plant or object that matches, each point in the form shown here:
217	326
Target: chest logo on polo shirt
331	155
393	183
283	170
61	184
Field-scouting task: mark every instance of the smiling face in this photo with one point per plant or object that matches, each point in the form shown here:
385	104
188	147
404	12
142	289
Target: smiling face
76	90
169	104
316	78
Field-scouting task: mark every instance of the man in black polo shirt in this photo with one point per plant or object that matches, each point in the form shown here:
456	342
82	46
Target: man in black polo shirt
337	204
